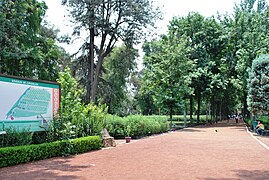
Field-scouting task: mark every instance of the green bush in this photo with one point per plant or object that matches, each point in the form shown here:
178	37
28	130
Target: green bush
115	126
264	119
21	154
88	119
91	120
249	122
86	144
138	125
40	137
14	137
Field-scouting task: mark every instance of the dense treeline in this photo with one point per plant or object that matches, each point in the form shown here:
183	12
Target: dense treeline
198	67
214	53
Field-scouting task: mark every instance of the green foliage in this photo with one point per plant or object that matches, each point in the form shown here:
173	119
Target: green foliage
71	105
59	130
220	50
21	154
109	21
40	137
205	51
247	39
263	119
165	75
88	119
115	125
136	125
146	102
14	137
86	144
91	120
258	85
118	68
27	49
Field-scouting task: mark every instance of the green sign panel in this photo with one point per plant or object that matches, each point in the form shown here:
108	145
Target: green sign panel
27	103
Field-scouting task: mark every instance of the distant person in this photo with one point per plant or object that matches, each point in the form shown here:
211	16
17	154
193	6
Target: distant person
236	118
240	118
233	117
259	128
228	118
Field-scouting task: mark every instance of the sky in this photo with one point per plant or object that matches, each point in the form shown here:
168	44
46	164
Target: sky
207	8
57	14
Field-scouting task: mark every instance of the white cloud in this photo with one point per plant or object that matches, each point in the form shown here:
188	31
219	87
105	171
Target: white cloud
207	8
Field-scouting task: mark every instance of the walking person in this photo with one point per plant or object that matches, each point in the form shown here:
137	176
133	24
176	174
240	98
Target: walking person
228	118
236	118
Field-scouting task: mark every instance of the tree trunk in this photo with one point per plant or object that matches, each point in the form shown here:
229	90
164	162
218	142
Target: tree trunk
207	111
198	110
96	78
216	112
191	109
220	110
210	112
171	114
246	113
185	115
90	74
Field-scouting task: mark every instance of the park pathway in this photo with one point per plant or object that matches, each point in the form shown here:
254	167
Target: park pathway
219	151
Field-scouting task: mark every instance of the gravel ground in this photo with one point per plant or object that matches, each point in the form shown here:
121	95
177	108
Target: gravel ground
220	151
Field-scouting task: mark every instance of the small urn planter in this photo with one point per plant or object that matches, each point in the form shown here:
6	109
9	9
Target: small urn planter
128	139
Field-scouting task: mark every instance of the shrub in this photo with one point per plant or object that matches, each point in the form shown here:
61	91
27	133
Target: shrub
264	119
86	144
21	154
40	137
14	137
88	119
91	121
138	125
115	126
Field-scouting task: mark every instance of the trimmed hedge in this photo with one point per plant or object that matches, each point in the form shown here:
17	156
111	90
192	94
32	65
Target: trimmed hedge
21	154
85	144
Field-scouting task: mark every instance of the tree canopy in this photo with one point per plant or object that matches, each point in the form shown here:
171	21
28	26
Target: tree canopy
166	71
114	86
27	48
200	61
221	50
107	22
258	86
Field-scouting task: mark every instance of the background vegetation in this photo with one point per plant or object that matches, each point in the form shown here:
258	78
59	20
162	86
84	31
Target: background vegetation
203	68
198	67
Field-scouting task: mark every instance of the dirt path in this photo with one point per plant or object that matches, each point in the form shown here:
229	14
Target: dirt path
192	153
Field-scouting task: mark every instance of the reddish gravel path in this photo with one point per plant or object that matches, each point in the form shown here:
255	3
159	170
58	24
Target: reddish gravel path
192	153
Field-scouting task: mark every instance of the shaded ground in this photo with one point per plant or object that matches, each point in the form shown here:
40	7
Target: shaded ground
192	153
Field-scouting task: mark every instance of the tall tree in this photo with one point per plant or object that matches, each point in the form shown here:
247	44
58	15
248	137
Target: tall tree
118	68
19	23
205	51
110	21
166	71
248	38
258	86
26	47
